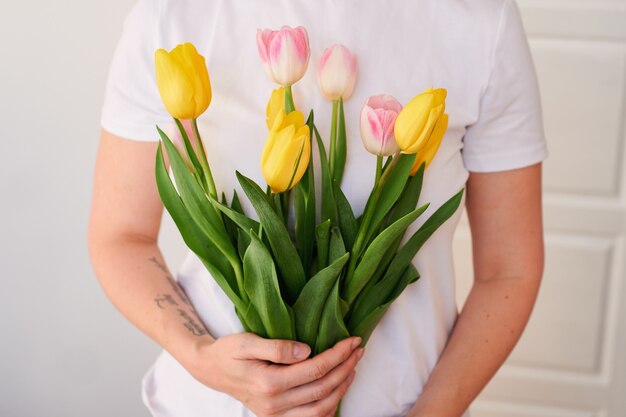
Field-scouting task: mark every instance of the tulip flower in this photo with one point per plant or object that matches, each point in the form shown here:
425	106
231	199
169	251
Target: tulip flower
378	117
183	81
427	154
275	105
336	72
416	121
287	151
285	53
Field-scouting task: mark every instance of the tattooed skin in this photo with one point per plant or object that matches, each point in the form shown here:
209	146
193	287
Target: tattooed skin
175	287
191	324
165	299
188	314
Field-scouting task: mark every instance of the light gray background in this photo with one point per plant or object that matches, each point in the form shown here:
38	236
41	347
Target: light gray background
64	350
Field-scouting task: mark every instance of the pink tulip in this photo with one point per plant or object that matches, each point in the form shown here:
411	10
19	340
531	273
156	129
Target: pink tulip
336	72
378	118
285	53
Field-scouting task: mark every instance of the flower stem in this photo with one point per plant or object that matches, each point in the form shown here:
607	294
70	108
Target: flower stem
379	168
289	104
333	138
203	160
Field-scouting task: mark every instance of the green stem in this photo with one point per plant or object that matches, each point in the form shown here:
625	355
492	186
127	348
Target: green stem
333	138
236	264
203	160
379	168
289	104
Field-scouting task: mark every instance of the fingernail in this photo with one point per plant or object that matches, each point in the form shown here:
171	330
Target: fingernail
356	342
300	351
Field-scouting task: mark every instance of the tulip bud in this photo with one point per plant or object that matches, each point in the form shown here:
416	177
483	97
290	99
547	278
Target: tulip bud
416	121
336	72
378	117
287	151
275	105
183	81
285	53
427	154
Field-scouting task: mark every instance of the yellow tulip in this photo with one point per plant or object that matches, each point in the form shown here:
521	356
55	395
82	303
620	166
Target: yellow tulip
275	104
183	81
417	120
288	140
432	146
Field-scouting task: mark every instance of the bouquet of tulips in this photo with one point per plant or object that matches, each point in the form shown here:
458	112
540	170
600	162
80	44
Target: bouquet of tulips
315	277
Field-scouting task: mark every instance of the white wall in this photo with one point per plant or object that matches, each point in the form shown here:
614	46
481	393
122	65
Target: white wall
64	350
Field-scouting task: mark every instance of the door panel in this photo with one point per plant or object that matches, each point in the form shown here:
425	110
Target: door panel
571	361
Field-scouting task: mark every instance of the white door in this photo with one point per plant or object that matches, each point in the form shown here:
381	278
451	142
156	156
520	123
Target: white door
571	361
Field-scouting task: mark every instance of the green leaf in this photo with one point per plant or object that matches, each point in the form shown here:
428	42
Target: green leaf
341	148
309	305
347	221
285	253
409	197
364	327
243	241
197	202
385	291
231	227
261	284
236	204
375	252
251	321
336	248
322	237
391	190
329	209
243	221
332	328
193	235
406	203
407	252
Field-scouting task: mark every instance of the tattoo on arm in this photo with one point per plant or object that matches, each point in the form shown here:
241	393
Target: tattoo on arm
165	299
191	324
175	287
191	321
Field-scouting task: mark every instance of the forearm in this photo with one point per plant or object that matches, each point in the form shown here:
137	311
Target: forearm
134	276
489	326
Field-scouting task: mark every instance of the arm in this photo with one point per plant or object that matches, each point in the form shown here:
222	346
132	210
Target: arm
123	230
504	210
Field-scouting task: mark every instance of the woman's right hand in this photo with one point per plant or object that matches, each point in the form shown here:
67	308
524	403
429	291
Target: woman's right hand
274	377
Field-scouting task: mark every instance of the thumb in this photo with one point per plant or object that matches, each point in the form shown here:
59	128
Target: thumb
273	350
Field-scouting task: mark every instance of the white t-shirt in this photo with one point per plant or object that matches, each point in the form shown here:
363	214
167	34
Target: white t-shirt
476	49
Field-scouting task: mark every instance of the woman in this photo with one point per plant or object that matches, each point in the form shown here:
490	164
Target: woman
424	359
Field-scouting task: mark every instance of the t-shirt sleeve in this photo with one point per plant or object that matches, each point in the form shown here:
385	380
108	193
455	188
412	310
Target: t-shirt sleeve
132	105
509	131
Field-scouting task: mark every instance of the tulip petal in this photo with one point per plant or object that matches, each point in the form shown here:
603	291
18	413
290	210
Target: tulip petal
262	40
275	104
175	87
336	72
430	150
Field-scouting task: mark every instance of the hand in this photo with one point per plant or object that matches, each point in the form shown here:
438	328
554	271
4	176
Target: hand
274	377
